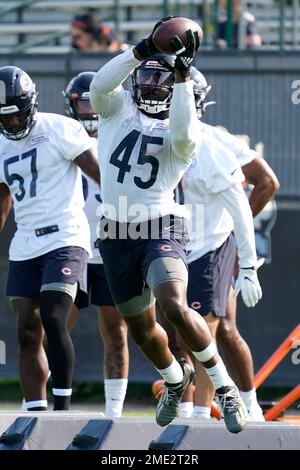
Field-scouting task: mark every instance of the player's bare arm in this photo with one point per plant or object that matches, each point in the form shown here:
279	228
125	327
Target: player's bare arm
5	204
265	182
88	163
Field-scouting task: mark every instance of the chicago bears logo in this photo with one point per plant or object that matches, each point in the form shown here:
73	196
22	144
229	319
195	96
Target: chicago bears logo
25	82
166	248
66	271
196	305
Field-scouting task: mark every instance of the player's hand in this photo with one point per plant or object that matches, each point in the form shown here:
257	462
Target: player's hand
248	283
145	47
185	55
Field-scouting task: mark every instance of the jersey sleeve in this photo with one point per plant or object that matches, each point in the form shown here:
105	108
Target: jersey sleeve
219	169
72	139
237	204
107	93
237	145
185	128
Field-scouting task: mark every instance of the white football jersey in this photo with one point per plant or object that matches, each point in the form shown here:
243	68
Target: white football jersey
46	186
216	167
138	165
92	210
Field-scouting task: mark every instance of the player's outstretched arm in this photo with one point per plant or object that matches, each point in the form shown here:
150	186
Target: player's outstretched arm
185	129
237	204
106	90
88	163
5	204
265	182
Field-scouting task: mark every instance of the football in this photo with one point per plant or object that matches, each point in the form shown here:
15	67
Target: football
174	27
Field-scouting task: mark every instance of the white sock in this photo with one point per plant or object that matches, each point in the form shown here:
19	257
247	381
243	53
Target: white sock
250	400
201	412
172	374
115	391
29	405
219	376
62	392
186	409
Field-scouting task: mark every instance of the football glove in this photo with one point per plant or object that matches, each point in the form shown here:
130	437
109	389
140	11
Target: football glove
185	55
145	47
248	283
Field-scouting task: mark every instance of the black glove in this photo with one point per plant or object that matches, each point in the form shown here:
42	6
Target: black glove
146	47
185	55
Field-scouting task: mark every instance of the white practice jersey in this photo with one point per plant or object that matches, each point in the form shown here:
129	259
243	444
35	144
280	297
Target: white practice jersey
92	210
46	186
141	159
216	168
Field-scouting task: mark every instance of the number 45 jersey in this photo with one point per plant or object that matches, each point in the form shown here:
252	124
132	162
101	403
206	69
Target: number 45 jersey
46	186
139	169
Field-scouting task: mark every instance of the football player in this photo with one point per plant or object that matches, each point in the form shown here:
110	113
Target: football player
112	327
40	162
147	140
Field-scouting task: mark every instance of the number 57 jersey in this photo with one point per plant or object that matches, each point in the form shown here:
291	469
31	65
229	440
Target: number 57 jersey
46	186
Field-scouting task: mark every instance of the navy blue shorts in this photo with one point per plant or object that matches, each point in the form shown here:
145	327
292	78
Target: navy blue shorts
66	264
210	279
126	261
98	292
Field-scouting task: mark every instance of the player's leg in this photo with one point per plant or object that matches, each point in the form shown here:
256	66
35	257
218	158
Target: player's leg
194	331
55	307
33	363
73	315
81	301
153	341
113	332
205	391
238	358
64	268
23	287
178	349
166	274
134	301
234	348
208	289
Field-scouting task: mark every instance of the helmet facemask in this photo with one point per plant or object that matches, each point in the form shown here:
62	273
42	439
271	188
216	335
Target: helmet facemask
77	102
153	88
85	114
201	90
200	97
